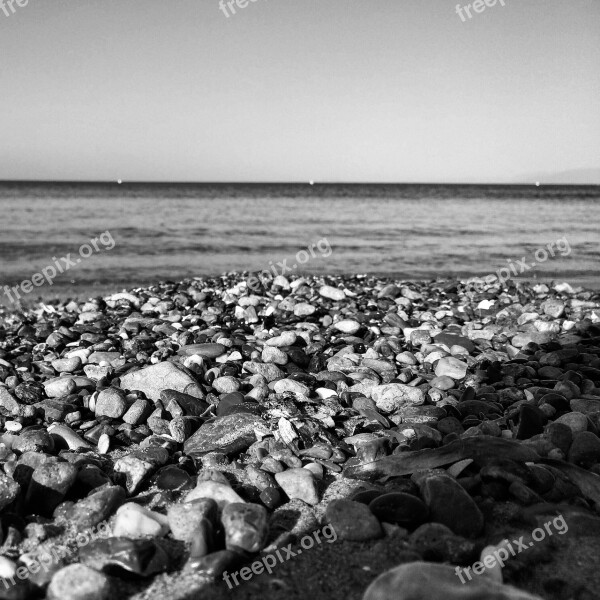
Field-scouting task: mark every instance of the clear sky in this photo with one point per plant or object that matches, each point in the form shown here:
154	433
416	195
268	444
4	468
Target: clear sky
293	90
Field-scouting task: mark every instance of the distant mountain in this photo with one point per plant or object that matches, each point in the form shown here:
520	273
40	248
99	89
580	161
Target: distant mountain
571	177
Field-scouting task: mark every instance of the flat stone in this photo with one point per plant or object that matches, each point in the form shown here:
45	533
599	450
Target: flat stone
190	405
451	367
332	293
353	521
203	350
96	507
67	365
229	434
143	557
522	339
303	309
452	339
347	326
285	338
156	378
110	358
450	505
398	508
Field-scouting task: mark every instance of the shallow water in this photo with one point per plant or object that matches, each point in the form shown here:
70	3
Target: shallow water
169	231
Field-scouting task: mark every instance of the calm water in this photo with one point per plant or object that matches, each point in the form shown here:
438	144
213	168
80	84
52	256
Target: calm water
174	231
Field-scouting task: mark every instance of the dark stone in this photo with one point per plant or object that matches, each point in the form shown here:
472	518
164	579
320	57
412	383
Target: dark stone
229	400
230	434
451	505
173	478
97	507
531	421
585	449
400	509
49	484
139	557
452	339
191	406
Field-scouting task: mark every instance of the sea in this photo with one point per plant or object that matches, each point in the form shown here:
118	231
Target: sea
105	237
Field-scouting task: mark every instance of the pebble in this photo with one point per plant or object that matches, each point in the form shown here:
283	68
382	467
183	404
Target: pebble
450	505
186	518
300	484
59	387
430	581
142	557
405	510
332	293
226	385
451	367
353	521
156	378
111	403
220	492
393	396
134	521
585	449
246	526
228	434
347	326
576	421
79	582
50	483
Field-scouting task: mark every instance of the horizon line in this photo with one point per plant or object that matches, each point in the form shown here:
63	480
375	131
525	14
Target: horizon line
306	183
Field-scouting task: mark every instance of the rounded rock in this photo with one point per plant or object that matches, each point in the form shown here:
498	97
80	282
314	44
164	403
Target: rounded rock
78	582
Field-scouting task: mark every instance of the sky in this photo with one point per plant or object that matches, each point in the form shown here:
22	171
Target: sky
299	90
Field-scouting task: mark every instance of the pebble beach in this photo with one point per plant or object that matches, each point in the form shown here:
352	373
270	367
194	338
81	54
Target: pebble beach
157	440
